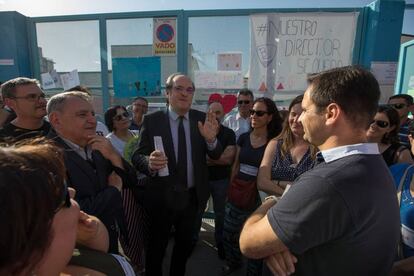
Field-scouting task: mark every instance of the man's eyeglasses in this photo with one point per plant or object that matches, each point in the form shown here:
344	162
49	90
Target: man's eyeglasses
188	90
243	102
65	198
259	113
119	117
140	105
398	105
32	97
381	124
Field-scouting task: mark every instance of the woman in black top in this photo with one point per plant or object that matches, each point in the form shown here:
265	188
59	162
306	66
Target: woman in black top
384	131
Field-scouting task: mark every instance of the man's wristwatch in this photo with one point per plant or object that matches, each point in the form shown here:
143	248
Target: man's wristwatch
272	197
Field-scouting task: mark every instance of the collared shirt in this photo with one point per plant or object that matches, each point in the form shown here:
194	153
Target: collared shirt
174	121
237	123
86	155
333	154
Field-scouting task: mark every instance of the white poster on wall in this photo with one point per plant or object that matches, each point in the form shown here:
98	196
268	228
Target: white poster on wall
285	47
218	80
70	80
229	61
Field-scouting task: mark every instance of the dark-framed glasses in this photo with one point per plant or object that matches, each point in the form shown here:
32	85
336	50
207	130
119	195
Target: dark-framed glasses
259	113
119	117
65	198
31	97
380	123
188	90
398	105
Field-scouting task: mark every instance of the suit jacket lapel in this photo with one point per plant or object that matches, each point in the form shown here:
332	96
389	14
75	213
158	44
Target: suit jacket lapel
193	134
168	142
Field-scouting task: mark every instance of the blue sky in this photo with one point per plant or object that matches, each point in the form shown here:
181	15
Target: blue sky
64	7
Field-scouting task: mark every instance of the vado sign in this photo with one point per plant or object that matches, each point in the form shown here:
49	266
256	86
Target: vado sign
165	37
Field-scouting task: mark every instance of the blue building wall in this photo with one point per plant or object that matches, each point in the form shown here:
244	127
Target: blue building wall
14	46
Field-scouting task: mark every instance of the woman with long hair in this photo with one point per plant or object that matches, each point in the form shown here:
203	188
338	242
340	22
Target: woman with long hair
243	196
384	131
286	156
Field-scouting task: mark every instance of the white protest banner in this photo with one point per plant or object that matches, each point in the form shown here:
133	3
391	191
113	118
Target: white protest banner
47	81
164	37
70	80
56	78
218	80
385	72
285	47
229	61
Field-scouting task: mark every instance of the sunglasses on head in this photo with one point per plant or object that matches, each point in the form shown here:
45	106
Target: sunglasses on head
381	124
65	198
119	117
243	102
398	105
259	113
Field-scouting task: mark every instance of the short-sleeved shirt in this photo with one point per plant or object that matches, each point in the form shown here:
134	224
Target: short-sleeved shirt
237	123
341	218
249	157
227	138
11	132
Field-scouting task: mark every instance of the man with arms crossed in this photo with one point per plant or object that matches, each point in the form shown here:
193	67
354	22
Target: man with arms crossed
341	217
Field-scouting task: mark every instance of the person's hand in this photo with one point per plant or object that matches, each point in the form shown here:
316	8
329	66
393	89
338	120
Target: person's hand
103	145
88	227
411	138
115	180
157	160
282	263
210	127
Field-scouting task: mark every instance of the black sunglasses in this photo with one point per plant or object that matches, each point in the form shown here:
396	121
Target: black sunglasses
119	117
65	198
381	124
398	105
243	102
259	113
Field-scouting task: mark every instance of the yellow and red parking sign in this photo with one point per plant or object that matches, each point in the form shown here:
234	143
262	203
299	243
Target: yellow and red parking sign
165	37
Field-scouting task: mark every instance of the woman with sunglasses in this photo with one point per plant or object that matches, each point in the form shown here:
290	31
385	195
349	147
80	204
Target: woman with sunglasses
384	131
287	156
42	221
243	197
124	140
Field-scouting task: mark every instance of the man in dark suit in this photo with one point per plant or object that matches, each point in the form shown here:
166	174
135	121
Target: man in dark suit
173	198
94	168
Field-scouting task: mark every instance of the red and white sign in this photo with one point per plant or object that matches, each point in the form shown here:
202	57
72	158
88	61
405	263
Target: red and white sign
164	37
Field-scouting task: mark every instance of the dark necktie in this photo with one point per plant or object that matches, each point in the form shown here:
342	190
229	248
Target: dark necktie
182	155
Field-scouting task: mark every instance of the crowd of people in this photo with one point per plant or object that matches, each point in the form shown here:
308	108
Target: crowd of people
325	190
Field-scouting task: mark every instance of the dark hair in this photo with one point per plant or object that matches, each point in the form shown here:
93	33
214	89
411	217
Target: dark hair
394	118
408	99
80	88
353	88
275	125
31	187
245	92
110	114
139	98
